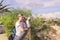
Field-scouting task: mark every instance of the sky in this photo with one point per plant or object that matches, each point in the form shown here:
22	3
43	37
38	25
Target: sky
37	6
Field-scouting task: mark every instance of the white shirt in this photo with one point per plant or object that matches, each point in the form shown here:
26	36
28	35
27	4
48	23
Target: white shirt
18	31
23	25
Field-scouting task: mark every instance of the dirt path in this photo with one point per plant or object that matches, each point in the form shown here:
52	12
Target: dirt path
3	37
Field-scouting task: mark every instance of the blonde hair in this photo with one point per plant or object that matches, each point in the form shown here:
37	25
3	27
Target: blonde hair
19	16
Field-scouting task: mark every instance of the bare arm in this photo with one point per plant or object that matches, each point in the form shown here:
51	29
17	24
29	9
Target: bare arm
20	28
28	23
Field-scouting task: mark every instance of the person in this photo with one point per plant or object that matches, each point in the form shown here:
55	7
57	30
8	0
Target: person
27	22
20	27
11	37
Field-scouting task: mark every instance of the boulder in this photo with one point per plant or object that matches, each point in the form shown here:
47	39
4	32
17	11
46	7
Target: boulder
1	29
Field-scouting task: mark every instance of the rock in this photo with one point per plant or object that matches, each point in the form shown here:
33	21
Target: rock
1	29
55	35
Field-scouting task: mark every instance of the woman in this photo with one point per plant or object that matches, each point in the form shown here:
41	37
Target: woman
20	27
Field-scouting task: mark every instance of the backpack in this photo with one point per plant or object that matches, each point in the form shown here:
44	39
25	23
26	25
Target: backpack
11	37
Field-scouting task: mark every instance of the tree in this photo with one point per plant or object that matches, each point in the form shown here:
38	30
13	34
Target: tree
4	8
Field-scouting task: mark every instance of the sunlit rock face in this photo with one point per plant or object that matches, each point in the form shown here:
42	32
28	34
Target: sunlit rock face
1	29
53	34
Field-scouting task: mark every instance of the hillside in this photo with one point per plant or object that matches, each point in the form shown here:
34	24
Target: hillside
55	35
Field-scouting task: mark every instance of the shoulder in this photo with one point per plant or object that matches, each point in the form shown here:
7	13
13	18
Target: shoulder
17	23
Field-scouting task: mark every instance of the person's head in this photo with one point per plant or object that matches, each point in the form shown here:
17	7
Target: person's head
20	17
24	19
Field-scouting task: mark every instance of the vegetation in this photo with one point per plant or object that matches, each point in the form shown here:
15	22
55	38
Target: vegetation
9	20
39	29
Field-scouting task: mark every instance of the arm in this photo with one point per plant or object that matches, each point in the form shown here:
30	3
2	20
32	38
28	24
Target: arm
28	22
20	28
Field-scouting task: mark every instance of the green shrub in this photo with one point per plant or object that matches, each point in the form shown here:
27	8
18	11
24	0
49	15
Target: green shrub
38	28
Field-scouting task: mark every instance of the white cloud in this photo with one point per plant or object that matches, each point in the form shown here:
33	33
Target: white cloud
51	3
38	3
51	15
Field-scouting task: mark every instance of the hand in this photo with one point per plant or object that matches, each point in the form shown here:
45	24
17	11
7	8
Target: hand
28	18
26	29
20	28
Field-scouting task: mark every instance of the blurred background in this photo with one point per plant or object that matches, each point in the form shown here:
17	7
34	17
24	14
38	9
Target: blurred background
45	18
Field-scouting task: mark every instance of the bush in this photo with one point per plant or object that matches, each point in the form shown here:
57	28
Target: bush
39	29
37	24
